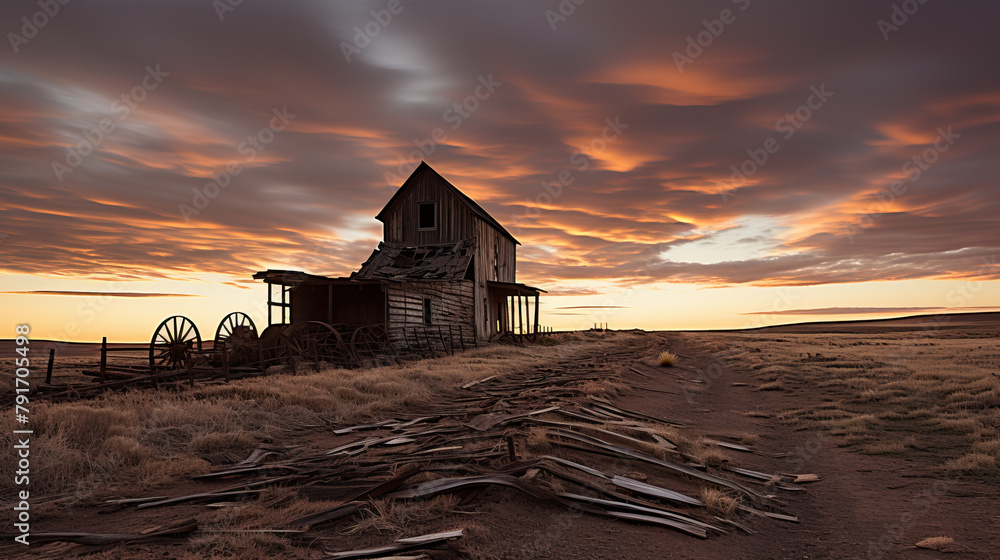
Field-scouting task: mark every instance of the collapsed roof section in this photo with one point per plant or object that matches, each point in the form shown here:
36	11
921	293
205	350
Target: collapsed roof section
392	261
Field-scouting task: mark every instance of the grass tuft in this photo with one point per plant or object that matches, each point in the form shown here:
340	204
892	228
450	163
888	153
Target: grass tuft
667	359
972	463
718	502
388	515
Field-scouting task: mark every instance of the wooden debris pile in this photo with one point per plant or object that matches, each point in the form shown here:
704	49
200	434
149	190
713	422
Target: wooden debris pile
538	434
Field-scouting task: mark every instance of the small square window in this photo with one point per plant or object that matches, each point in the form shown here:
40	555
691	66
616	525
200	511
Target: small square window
427	218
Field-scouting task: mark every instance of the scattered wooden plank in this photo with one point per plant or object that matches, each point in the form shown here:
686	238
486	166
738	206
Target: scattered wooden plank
351	506
771	514
680	526
207	496
641	509
400	545
621	450
654	491
474	383
177	530
727	445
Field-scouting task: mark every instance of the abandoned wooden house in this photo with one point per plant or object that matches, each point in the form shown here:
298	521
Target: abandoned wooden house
445	268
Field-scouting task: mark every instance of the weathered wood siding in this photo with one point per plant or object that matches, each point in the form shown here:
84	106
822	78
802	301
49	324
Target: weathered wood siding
495	256
492	248
454	219
450	305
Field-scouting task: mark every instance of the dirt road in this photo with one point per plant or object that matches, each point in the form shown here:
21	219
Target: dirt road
864	506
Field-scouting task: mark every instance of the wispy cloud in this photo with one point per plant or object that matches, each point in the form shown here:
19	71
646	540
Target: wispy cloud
593	307
99	294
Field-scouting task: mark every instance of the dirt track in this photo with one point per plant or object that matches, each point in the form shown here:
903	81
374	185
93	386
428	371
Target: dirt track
864	507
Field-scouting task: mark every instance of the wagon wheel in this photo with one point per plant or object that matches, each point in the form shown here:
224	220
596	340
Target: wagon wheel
237	326
171	342
239	334
316	341
272	345
368	342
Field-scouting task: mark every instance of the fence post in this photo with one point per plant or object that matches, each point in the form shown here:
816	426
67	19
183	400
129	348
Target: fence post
260	355
430	345
104	357
535	330
225	360
443	345
48	370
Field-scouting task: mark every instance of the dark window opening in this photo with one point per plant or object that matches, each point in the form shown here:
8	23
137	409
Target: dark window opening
427	218
496	260
427	311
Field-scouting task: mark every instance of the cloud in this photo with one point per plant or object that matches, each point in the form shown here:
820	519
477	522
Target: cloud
594	307
306	200
98	294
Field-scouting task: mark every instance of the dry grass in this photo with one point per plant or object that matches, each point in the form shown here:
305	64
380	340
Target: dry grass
988	447
222	534
886	448
603	387
772	386
927	384
667	359
972	463
709	454
392	516
124	444
718	502
536	440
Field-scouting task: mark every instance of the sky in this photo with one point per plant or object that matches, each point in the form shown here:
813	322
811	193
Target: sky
665	165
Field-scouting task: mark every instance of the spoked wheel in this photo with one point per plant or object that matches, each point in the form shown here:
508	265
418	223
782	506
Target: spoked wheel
172	340
272	345
369	344
316	341
240	335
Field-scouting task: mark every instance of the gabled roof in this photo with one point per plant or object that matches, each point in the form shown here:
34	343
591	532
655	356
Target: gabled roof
392	261
475	207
